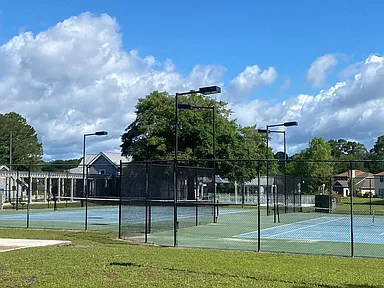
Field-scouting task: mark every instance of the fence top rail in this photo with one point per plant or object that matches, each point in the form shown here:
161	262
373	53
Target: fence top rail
251	160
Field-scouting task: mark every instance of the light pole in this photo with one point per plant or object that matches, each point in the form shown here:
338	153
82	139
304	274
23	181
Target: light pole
264	131
205	91
85	192
285	124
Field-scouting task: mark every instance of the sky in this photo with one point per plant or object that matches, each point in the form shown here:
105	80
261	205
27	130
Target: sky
76	67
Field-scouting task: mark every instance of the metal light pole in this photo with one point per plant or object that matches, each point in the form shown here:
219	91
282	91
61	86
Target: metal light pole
85	187
267	131
205	91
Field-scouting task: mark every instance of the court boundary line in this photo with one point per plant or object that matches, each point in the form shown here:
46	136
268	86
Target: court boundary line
242	235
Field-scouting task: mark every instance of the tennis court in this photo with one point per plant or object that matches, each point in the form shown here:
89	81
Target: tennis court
105	215
328	228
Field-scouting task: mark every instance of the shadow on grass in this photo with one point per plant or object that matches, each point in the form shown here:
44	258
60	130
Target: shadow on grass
228	275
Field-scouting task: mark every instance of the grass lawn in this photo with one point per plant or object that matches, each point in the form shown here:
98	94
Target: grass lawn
96	260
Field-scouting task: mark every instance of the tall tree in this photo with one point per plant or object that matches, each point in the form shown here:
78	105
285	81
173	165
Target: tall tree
344	150
376	154
26	148
151	134
319	173
312	172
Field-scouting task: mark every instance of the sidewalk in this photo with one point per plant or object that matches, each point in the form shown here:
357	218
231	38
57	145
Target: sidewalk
8	244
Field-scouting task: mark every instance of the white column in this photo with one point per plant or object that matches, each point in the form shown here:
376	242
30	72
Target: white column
45	188
235	192
62	187
71	189
50	188
37	189
30	188
6	188
58	189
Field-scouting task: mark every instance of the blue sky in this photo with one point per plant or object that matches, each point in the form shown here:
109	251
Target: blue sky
286	35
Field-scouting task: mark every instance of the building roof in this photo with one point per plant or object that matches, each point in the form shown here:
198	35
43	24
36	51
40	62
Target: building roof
4	168
346	174
379	174
342	183
366	183
113	157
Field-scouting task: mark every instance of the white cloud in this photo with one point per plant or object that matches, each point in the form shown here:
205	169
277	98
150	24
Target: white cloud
250	79
318	71
351	109
75	78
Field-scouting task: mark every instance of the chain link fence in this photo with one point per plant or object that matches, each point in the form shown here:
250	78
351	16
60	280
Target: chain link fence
239	205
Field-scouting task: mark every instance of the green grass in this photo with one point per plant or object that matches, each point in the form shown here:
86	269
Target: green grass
96	260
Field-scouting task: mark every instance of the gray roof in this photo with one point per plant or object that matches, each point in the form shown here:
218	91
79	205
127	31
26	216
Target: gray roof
113	157
342	183
4	168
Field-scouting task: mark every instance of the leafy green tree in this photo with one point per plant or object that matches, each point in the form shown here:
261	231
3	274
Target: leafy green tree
319	172
376	154
313	174
26	148
60	165
344	150
151	135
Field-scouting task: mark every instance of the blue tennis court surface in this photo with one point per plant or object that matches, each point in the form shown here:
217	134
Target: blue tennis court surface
130	214
335	228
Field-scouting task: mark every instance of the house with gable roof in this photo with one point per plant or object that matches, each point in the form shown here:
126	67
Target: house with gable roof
104	163
102	173
363	183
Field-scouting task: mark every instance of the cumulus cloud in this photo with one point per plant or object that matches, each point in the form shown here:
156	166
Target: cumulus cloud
250	79
76	78
350	109
318	71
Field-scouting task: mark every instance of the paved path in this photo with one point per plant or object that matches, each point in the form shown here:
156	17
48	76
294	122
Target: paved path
7	244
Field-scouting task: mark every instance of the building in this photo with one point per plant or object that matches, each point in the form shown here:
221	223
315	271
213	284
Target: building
363	183
379	184
101	173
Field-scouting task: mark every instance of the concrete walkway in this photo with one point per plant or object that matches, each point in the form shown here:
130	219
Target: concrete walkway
8	244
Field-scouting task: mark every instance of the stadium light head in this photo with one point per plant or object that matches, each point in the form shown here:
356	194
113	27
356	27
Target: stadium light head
293	123
100	133
184	106
210	90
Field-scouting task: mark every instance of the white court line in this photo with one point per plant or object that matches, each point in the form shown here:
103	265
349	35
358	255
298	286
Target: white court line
286	225
301	228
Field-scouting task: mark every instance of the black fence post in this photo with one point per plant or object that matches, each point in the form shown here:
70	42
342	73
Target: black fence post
120	197
278	207
175	203
86	199
17	190
29	194
150	198
351	205
258	206
330	194
146	202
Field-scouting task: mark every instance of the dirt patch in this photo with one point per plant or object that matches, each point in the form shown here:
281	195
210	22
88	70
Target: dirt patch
5	248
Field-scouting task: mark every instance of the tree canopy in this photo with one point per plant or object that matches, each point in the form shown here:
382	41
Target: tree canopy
26	148
151	135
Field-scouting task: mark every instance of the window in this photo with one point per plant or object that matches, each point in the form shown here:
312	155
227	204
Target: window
381	178
102	171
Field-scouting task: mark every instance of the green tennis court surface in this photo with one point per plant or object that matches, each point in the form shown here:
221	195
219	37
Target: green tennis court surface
236	228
